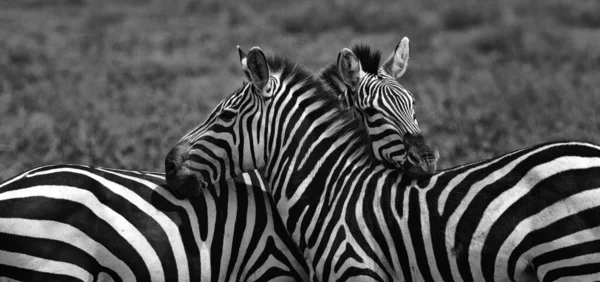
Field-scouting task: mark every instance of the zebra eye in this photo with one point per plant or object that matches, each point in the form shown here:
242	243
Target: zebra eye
227	115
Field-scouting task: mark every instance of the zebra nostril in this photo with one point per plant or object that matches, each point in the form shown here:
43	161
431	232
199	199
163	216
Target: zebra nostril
170	167
414	158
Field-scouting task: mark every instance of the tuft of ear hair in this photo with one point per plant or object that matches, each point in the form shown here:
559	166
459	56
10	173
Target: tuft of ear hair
243	63
397	63
256	61
349	68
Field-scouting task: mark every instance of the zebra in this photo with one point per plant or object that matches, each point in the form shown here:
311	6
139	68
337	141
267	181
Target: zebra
215	210
528	215
83	223
384	106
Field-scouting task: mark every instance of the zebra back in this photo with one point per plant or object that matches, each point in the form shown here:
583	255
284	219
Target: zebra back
84	223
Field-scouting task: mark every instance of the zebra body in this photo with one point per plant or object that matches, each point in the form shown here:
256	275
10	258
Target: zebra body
81	223
355	219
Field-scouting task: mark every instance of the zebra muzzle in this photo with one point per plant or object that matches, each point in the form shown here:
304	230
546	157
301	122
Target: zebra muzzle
180	179
422	158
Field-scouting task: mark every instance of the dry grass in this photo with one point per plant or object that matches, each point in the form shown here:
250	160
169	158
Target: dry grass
111	84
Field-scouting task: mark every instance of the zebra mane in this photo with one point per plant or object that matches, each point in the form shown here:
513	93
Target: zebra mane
290	70
369	58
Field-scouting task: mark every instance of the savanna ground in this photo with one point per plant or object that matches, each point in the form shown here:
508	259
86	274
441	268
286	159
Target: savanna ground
116	83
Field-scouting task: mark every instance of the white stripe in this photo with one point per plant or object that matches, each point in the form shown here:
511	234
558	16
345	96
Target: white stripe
505	200
364	223
204	247
443	199
205	268
404	231
567	207
20	176
117	221
291	201
570	262
265	234
389	241
6	279
169	227
67	234
426	229
580	237
229	227
474	190
43	265
270	263
587	277
248	230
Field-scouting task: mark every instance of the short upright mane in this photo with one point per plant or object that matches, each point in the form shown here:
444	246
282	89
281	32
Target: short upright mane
289	70
369	60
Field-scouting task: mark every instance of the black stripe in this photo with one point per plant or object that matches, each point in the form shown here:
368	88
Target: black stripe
21	274
571	251
577	270
148	226
474	212
353	272
80	217
221	203
272	272
52	250
180	217
338	240
415	228
388	204
546	193
260	221
370	217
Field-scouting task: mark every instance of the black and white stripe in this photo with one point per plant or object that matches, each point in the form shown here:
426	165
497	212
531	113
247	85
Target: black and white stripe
530	215
80	223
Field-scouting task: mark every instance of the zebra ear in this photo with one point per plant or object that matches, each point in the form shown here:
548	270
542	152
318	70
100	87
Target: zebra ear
349	68
396	64
243	62
258	69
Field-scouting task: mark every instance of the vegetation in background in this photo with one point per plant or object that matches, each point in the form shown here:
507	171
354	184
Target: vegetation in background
116	83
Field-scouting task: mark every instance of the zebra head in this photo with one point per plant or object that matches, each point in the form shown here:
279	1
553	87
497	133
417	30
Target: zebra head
233	138
385	107
209	153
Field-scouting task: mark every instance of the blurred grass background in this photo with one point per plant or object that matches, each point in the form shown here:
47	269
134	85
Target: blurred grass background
116	83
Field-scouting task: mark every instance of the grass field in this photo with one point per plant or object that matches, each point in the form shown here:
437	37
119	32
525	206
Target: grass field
113	84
